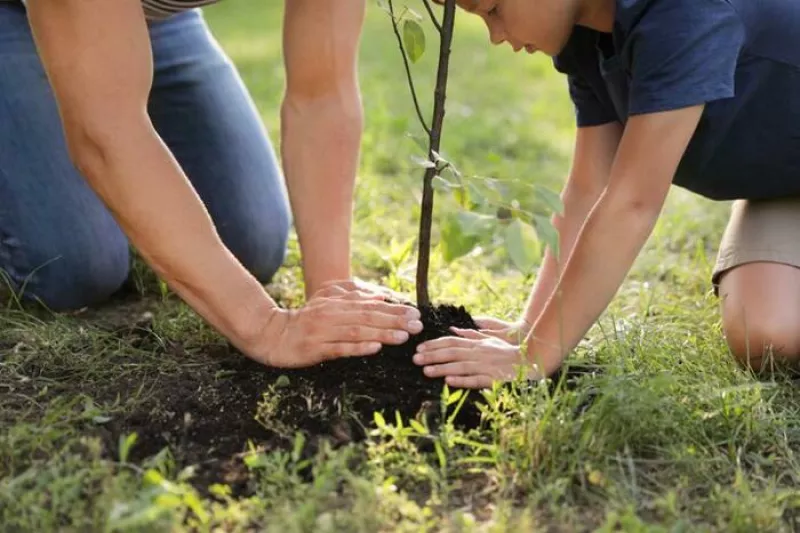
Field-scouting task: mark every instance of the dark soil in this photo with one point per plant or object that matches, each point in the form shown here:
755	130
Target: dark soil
207	413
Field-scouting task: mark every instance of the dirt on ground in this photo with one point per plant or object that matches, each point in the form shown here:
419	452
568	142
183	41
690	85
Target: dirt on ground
207	414
210	405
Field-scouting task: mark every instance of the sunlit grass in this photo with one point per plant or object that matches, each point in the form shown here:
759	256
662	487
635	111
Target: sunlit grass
678	438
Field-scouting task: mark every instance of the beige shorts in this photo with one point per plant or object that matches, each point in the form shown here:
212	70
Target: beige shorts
760	231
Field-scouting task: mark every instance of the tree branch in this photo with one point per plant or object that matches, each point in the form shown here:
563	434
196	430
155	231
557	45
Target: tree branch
433	16
408	70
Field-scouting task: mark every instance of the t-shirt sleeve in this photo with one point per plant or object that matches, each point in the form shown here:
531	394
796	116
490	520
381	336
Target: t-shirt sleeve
590	107
587	90
683	53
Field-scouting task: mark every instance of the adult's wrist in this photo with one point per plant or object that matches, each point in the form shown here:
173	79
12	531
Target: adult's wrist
259	334
249	311
225	294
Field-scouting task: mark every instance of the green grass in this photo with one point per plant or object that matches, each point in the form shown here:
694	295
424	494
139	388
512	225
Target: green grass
678	439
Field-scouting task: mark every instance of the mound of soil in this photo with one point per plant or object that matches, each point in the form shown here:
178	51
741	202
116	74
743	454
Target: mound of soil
207	414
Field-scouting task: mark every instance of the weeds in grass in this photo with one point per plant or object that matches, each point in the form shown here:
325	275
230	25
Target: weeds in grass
676	436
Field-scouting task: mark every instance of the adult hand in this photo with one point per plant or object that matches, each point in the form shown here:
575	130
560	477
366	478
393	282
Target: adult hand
357	289
333	327
472	360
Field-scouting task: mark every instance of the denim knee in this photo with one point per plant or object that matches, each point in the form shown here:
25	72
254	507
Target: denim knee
262	249
69	278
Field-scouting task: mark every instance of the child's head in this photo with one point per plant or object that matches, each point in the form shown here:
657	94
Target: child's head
532	25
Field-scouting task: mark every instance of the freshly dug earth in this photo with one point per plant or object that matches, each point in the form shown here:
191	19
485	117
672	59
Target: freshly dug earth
206	414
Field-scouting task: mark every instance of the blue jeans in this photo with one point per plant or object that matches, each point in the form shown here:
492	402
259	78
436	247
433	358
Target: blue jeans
58	242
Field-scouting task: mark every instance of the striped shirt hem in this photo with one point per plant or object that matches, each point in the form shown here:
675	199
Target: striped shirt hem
157	9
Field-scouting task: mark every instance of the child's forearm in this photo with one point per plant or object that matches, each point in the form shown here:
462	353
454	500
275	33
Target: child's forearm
576	209
616	231
595	149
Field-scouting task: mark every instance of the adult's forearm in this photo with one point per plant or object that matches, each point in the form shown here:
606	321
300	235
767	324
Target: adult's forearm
145	188
320	148
98	60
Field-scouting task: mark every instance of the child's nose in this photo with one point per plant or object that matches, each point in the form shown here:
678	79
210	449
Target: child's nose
497	35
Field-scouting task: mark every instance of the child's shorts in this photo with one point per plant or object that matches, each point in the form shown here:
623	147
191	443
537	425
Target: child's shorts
760	231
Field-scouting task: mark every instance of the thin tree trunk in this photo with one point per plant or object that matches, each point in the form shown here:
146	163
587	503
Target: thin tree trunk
426	214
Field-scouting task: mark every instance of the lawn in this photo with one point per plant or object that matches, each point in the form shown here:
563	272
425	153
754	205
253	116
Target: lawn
137	417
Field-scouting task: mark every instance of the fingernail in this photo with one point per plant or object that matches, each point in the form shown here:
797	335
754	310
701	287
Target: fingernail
421	348
418	359
415	326
401	335
413	313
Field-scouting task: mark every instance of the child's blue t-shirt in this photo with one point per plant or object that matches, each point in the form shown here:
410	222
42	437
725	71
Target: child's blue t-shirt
739	57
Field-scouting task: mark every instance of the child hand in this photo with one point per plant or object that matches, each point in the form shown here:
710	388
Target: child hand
512	332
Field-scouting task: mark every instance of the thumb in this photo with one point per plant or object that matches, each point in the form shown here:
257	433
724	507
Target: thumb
363	295
469	333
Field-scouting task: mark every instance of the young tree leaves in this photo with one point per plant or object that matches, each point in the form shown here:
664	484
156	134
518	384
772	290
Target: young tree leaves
522	244
462	231
420	141
413	39
546	232
550	198
442	185
424	163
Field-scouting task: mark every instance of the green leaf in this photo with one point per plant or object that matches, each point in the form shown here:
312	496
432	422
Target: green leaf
379	420
413	39
399	251
442	185
454	243
413	13
255	460
420	141
475	223
219	490
299	444
453	398
472	443
424	163
419	428
153	477
168	501
195	505
482	196
551	199
462	231
546	231
457	408
493	185
126	442
477	460
451	168
440	454
462	196
441	162
523	245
